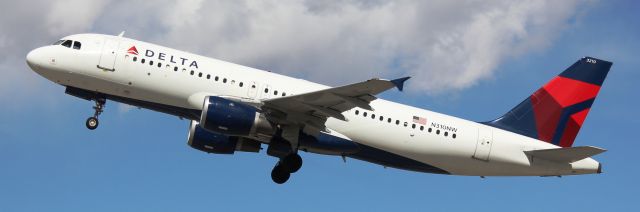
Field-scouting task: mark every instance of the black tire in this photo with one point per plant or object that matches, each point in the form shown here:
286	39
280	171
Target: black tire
92	123
279	174
292	163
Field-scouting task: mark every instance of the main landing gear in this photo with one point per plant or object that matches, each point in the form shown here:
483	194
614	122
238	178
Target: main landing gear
285	167
92	122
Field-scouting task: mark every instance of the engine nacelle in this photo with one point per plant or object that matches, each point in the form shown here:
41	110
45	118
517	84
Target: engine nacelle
234	118
212	142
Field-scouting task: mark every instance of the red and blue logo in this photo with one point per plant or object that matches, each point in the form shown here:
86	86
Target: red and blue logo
555	113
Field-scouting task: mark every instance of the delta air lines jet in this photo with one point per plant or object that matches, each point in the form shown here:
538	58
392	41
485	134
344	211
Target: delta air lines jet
237	108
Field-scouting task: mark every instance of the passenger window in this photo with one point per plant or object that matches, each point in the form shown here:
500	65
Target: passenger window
421	128
266	90
192	72
159	65
397	122
373	116
67	43
135	59
200	74
381	118
224	80
175	68
77	45
357	111
389	120
142	61
406	124
453	136
284	94
208	76
364	114
437	132
446	133
241	84
275	93
429	130
413	126
150	62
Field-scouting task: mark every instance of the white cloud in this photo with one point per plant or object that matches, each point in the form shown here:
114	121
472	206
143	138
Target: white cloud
445	45
66	16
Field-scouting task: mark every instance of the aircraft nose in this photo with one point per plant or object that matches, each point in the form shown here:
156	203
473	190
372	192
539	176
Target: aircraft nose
34	58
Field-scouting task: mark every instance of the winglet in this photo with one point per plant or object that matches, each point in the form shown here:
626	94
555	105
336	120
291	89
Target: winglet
399	83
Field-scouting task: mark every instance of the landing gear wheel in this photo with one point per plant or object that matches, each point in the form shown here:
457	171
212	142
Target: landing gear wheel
279	174
92	123
292	162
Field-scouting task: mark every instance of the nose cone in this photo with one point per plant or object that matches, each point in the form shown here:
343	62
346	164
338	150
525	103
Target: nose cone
34	58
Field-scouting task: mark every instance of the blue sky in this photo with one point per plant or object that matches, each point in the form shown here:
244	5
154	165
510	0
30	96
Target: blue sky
138	160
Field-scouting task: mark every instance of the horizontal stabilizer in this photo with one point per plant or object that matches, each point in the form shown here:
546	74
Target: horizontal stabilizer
566	155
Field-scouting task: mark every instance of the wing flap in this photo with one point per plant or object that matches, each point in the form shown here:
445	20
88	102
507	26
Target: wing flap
566	155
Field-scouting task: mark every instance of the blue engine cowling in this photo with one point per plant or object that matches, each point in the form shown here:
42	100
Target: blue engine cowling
212	142
233	118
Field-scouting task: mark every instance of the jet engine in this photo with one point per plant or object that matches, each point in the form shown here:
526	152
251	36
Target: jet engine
232	118
212	142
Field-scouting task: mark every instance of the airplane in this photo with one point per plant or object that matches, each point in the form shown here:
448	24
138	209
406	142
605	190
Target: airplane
234	108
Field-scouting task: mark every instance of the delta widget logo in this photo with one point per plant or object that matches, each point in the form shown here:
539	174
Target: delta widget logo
133	50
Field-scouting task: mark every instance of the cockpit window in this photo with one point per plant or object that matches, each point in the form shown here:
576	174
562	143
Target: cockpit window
67	43
58	42
76	45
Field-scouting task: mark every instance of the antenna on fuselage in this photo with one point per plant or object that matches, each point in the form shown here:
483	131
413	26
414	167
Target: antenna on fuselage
121	34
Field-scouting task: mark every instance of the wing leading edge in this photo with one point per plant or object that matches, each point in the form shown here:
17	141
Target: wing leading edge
315	107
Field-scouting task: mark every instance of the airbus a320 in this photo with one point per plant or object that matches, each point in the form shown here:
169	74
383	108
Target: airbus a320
236	108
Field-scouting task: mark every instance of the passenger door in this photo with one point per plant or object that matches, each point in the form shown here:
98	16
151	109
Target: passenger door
109	54
484	143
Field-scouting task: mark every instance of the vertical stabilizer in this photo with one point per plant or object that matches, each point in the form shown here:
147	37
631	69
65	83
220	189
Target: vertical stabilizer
556	111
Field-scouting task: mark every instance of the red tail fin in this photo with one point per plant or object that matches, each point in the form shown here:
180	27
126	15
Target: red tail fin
555	112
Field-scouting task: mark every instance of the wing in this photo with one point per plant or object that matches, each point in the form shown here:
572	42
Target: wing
314	108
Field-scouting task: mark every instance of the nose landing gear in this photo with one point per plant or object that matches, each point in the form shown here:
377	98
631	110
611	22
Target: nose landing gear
92	122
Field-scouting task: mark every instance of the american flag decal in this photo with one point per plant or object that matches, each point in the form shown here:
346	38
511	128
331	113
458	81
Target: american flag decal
419	120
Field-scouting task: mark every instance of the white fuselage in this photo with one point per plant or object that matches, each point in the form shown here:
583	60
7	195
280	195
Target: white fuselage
456	145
